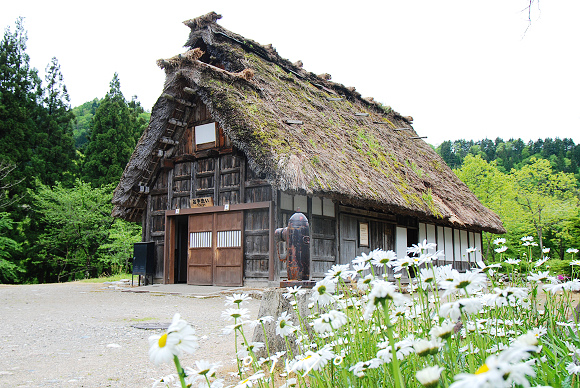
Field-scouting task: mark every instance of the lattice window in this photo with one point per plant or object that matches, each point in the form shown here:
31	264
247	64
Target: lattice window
229	239
200	240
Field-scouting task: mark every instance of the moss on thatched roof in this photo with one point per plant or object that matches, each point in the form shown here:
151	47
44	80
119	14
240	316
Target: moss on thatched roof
307	134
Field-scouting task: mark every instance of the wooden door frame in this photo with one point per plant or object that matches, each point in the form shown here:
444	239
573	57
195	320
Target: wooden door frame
170	229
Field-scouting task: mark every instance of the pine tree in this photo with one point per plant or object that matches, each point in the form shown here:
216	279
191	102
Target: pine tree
54	151
20	96
115	129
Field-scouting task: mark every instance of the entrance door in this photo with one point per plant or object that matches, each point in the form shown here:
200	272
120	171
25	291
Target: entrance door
200	261
215	249
181	249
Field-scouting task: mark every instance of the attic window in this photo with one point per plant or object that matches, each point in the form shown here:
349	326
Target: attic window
205	136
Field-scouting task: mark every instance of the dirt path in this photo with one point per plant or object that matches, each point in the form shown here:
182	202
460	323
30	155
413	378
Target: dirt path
81	335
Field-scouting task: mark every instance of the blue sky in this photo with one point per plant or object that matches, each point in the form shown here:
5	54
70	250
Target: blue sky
462	69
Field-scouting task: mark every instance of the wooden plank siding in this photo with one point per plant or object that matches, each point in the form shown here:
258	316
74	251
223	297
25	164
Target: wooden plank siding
256	244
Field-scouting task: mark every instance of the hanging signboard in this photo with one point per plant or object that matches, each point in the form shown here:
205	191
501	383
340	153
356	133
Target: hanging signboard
363	230
201	202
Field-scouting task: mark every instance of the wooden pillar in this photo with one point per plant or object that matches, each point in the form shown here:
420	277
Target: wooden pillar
242	179
273	265
170	189
216	177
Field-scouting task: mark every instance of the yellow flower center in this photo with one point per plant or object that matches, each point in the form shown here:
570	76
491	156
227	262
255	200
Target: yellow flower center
163	340
482	369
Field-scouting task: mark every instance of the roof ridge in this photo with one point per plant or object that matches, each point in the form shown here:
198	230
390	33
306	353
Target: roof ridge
203	21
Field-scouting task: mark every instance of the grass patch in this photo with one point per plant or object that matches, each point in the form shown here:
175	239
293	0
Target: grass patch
103	279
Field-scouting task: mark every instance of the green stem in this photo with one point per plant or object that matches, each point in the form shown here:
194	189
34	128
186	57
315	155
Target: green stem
180	371
399	383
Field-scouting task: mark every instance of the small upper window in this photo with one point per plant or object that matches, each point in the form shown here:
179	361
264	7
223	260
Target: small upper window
205	136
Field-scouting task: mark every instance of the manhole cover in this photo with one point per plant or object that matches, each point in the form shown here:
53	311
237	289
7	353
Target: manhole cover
152	325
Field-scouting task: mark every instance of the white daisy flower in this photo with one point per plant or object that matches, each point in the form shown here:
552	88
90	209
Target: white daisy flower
402	263
402	349
249	349
360	267
235	314
444	331
425	347
251	381
509	296
364	283
361	367
445	272
572	285
501	249
497	347
237	299
284	325
381	292
313	360
468	282
165	381
180	337
512	261
420	248
260	321
486	268
162	348
381	258
428	277
429	376
539	277
498	241
330	321
203	368
340	271
453	310
323	291
291	291
363	258
572	368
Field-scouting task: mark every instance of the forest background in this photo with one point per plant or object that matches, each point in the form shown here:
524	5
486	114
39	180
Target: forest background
59	166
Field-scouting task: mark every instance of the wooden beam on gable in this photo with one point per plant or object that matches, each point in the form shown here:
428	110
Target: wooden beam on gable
167	140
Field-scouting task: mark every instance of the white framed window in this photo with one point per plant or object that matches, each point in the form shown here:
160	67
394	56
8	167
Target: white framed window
205	135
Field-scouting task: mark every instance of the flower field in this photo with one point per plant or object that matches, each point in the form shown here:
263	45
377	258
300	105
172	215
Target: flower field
493	326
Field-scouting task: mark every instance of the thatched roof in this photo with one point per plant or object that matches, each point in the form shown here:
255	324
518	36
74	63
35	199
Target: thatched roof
307	134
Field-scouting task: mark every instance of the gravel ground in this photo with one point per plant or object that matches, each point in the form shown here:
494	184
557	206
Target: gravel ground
82	335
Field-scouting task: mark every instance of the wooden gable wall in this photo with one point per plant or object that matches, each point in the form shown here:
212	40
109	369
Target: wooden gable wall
220	173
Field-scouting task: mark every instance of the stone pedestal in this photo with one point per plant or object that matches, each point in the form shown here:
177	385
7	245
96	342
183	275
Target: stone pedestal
274	304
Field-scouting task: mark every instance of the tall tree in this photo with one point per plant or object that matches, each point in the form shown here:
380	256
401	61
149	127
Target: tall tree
547	198
83	117
115	130
20	98
54	152
497	191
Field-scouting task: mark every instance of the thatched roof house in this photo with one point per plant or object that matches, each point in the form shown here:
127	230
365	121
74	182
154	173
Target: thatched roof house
299	132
